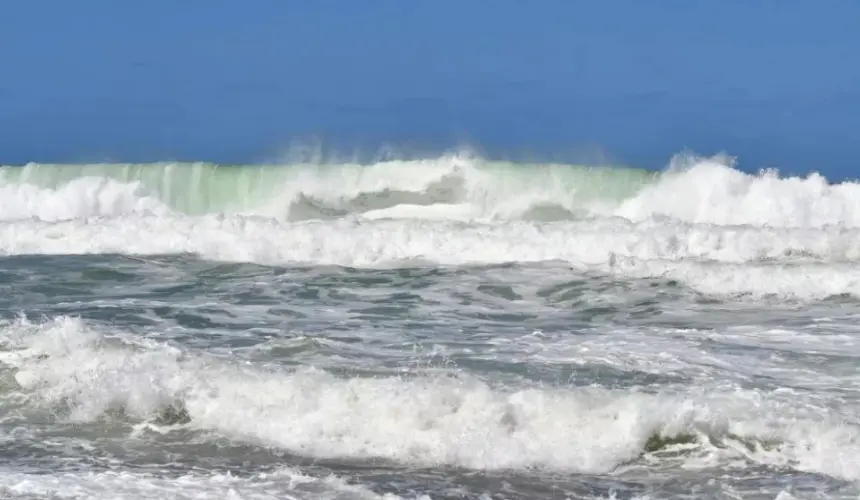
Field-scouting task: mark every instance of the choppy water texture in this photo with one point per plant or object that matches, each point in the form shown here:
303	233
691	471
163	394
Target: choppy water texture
447	328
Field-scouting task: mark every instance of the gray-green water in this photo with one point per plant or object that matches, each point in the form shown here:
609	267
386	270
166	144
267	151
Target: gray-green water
645	345
308	190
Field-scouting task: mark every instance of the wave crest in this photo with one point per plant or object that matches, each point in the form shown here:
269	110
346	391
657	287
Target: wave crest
424	420
693	189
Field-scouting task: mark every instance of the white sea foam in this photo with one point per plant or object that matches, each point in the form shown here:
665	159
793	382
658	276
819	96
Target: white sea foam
698	190
804	263
283	484
702	223
425	420
80	198
712	192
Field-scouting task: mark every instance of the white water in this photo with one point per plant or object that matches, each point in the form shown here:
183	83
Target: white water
711	192
797	263
695	190
703	223
80	198
421	420
284	484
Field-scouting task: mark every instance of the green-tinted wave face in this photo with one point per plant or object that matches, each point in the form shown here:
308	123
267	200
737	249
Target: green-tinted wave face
300	191
192	188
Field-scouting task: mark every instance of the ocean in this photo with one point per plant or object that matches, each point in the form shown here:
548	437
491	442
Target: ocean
446	327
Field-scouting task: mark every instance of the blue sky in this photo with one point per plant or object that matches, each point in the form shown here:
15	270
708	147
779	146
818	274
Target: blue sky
773	82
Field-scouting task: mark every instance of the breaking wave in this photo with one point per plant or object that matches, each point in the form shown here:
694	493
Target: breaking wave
696	190
66	369
701	222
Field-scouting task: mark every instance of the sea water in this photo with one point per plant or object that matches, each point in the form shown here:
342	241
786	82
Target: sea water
442	328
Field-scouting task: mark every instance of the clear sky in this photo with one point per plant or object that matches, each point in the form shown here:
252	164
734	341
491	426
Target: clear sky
776	83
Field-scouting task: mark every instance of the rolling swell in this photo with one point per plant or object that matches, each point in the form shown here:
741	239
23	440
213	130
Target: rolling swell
468	188
692	189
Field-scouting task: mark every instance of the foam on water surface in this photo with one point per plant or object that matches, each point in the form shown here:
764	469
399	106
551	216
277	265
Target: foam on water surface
610	324
281	484
66	366
697	190
797	263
